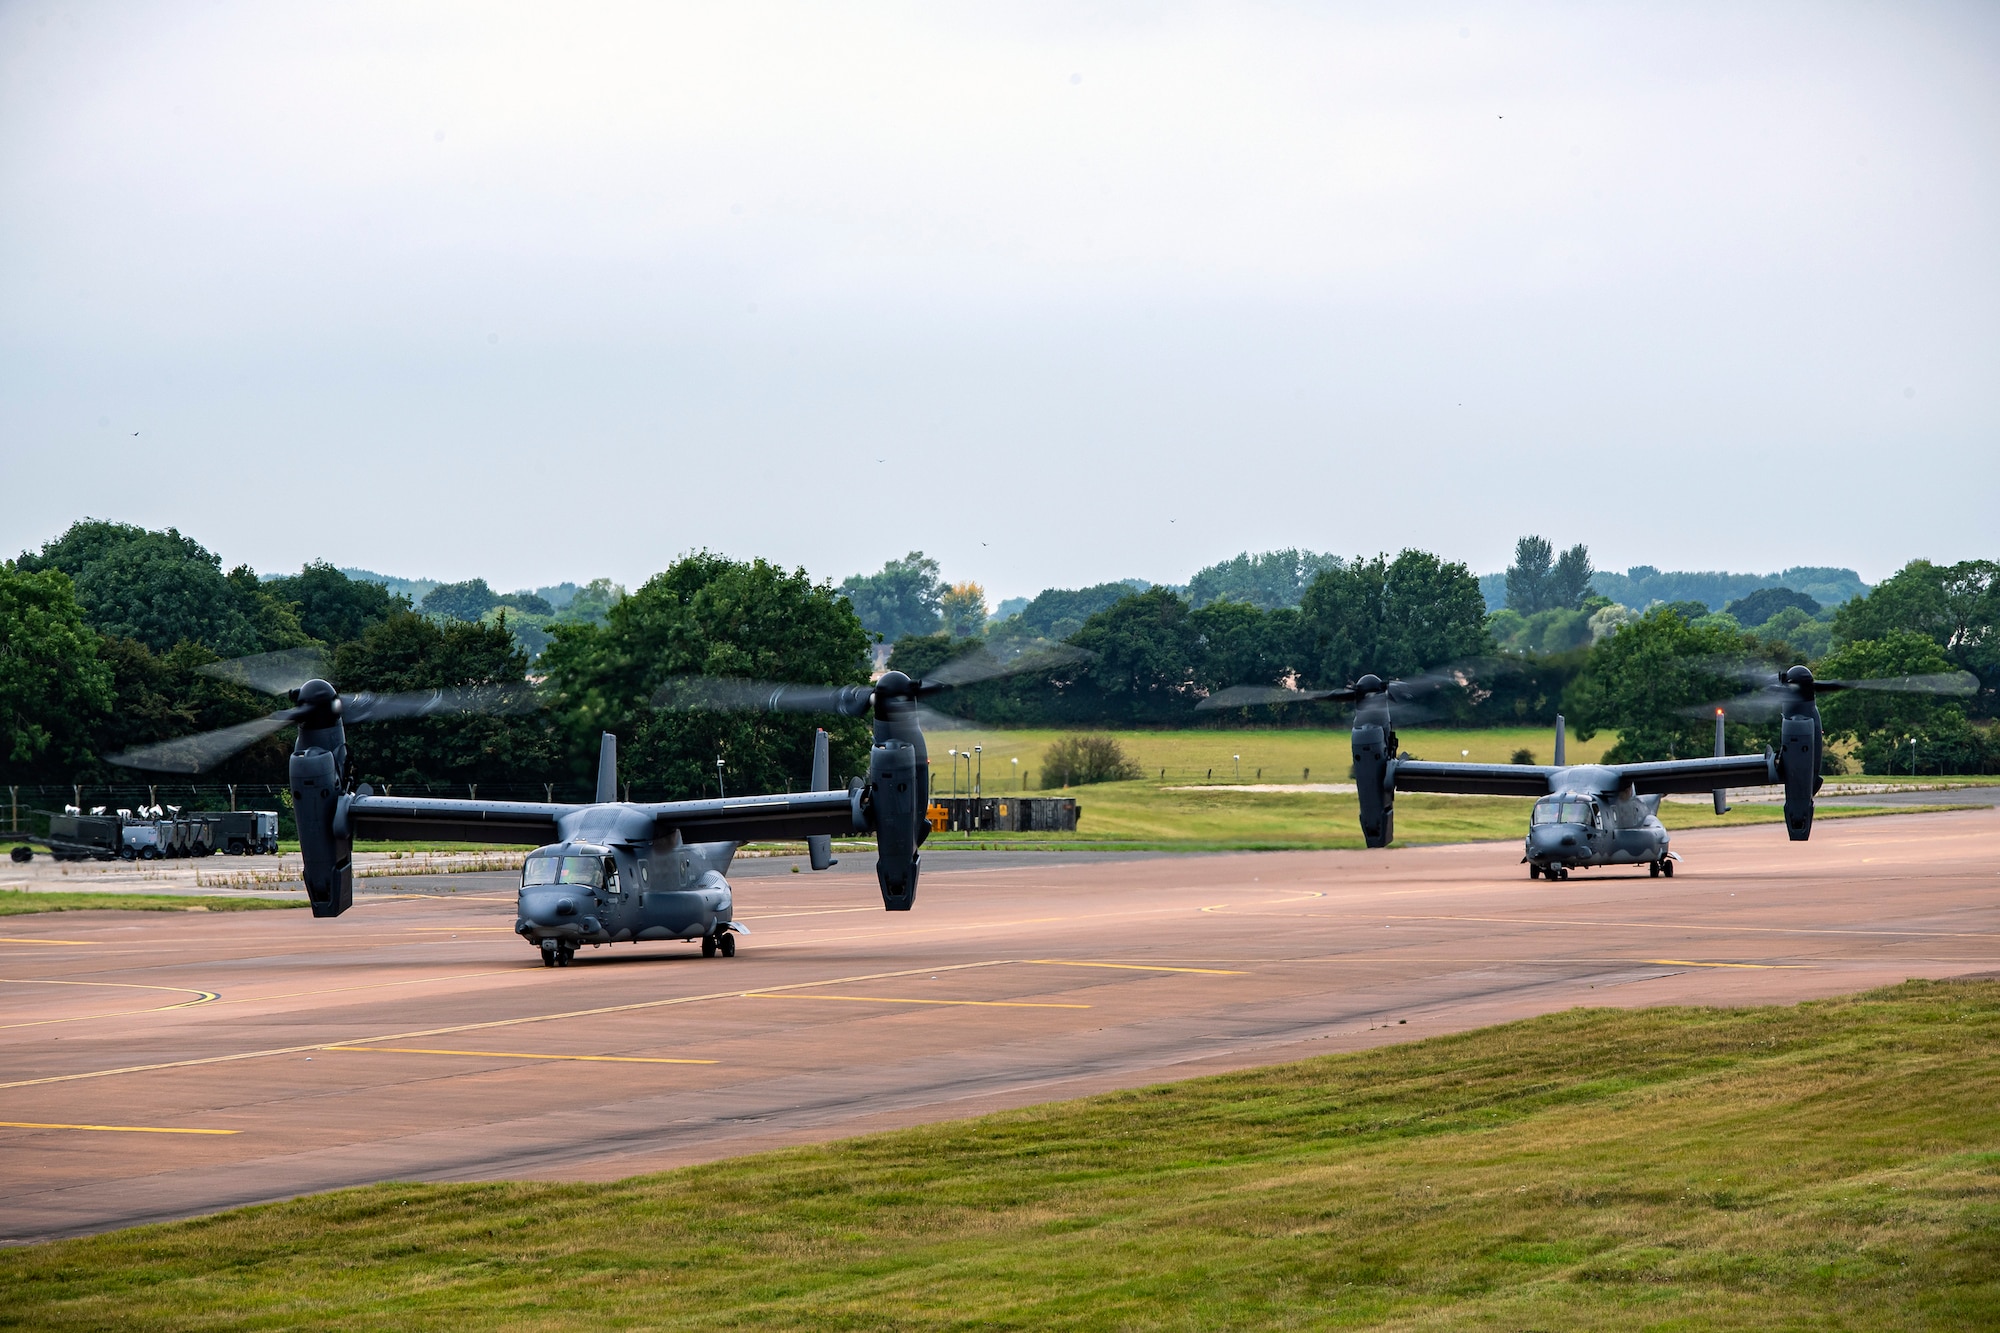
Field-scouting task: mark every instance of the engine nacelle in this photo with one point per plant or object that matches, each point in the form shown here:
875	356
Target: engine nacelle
898	801
1798	765
324	842
1374	753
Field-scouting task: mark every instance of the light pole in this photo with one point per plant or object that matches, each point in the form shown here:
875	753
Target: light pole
954	773
1017	773
1238	760
1913	756
978	779
719	789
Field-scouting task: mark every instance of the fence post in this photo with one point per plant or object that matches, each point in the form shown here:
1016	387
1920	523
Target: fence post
232	796
473	788
14	799
549	792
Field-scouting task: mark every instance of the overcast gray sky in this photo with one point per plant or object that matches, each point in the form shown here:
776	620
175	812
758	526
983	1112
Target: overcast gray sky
1056	293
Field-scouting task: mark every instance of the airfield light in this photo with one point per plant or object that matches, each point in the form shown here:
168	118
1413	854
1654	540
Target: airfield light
1017	773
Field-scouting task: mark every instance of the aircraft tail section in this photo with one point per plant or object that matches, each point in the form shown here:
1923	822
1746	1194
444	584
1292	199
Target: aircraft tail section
820	847
1721	749
607	769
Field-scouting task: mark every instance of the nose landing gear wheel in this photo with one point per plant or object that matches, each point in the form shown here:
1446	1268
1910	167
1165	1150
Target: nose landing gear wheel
1666	868
1653	869
1562	872
708	946
548	955
727	943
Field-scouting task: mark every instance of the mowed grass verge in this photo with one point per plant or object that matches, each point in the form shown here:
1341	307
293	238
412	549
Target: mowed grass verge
23	902
1150	815
1829	1165
1213	756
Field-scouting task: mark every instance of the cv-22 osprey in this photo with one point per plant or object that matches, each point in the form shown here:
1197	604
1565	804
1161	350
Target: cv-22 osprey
1594	814
605	871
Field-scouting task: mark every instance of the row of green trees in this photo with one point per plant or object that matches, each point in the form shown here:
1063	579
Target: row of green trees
103	632
1156	654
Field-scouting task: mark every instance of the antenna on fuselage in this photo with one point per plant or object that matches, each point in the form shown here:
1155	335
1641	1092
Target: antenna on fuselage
1721	794
1562	751
607	769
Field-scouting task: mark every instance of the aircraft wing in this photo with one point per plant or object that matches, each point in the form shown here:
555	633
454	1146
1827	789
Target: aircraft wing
1668	776
758	818
1471	779
416	818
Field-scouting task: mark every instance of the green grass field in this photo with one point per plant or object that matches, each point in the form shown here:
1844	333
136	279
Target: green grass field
1266	756
1831	1165
21	902
1156	816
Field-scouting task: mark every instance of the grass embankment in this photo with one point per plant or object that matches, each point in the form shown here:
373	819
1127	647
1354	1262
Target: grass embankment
21	902
1836	1164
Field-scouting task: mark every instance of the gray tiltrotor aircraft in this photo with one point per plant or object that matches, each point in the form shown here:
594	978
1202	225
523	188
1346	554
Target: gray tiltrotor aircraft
609	871
1594	814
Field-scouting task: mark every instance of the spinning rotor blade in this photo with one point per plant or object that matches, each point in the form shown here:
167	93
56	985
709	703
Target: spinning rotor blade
1249	696
1758	703
1379	706
1777	692
1959	683
987	663
720	694
193	754
930	719
271	673
489	699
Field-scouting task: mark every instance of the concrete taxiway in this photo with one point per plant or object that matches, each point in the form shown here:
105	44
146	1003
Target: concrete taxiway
157	1065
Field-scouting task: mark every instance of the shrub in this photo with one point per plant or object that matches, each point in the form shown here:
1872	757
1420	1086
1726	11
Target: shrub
1075	761
1524	756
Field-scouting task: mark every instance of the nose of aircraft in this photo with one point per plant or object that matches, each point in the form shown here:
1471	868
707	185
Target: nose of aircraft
1554	841
548	908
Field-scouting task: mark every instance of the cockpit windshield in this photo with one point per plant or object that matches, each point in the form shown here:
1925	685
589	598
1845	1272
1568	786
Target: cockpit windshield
1563	810
587	871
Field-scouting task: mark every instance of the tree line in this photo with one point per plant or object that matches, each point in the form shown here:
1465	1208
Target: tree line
103	633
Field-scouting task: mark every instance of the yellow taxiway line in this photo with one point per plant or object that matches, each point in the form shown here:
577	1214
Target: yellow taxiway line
596	1011
22	939
1754	967
200	997
114	1129
524	1055
1138	967
883	999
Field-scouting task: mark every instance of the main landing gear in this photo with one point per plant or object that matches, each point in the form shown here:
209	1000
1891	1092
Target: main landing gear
556	953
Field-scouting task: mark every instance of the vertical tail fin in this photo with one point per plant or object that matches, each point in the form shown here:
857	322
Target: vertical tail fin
1562	750
1721	794
820	847
607	768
